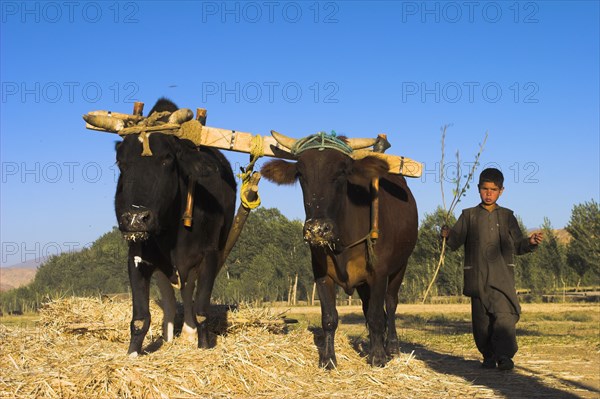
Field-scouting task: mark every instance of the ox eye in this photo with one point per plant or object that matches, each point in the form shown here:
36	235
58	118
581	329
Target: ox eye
167	160
338	175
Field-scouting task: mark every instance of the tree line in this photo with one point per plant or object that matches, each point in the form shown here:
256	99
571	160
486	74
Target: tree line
270	262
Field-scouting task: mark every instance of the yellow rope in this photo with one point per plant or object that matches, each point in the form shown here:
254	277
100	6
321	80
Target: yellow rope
257	147
191	130
147	152
245	202
256	151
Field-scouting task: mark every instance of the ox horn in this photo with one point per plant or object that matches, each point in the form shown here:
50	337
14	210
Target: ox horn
358	144
181	115
105	122
285	141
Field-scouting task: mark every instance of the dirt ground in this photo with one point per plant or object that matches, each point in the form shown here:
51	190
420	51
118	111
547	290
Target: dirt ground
559	346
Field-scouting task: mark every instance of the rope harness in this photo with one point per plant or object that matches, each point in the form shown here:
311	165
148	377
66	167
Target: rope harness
321	141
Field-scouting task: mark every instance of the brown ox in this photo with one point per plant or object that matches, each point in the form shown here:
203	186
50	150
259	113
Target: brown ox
337	201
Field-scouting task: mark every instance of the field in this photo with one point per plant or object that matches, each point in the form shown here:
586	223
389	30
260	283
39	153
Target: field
41	356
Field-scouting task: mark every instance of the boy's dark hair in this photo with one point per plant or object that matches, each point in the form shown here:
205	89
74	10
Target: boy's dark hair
492	175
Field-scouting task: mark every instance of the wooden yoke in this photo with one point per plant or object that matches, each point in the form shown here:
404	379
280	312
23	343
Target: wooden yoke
251	194
138	108
201	115
189	203
381	147
375	208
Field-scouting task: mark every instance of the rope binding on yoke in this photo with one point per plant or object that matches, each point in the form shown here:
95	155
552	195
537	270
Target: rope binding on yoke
321	141
146	151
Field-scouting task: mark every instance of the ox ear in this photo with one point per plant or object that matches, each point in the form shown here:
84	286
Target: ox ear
279	171
367	168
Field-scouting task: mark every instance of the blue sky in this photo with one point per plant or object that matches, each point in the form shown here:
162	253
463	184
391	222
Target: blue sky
526	72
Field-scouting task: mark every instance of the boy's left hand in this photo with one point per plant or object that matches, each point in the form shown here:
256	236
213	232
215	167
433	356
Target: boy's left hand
536	238
445	231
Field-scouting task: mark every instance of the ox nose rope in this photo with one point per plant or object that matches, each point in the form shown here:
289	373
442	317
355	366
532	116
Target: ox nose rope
370	241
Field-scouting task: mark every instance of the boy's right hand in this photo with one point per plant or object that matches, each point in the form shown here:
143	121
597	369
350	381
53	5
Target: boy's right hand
445	231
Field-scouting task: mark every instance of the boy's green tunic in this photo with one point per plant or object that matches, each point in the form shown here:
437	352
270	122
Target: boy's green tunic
491	240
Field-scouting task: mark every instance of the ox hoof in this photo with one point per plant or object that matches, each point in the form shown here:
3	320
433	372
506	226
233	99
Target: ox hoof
133	355
204	340
190	334
377	361
328	364
392	349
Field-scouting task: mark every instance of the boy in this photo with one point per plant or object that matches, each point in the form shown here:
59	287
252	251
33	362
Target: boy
491	237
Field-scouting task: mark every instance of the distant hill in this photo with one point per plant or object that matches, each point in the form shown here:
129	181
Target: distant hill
30	264
18	275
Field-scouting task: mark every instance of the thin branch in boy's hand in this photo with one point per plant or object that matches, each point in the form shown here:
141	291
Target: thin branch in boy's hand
457	192
443	129
461	191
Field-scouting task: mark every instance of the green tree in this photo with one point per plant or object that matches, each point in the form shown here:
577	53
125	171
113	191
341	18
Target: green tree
583	251
264	275
523	264
269	253
424	259
99	269
549	271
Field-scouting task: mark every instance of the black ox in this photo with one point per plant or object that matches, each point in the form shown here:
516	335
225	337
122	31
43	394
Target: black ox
337	201
149	203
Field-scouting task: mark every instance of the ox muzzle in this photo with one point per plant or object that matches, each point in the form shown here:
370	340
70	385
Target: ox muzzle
321	233
136	224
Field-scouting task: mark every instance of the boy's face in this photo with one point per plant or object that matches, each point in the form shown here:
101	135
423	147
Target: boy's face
489	192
